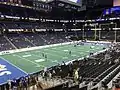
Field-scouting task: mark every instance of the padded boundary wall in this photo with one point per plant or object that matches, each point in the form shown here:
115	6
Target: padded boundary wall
46	46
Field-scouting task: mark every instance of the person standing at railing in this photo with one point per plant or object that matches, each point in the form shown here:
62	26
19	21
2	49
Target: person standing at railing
76	75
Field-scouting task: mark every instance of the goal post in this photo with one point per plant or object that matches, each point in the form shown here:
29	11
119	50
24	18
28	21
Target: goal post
108	32
90	32
105	32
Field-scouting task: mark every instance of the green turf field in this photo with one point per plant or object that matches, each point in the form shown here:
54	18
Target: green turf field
33	61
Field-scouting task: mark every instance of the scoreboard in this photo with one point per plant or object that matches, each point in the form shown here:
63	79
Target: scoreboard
116	3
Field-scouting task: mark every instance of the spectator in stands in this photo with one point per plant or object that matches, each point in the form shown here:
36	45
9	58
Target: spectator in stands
53	73
76	75
50	75
70	72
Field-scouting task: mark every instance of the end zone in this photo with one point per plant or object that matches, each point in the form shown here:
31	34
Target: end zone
9	71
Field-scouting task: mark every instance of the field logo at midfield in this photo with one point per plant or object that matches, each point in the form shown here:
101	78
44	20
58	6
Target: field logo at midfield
3	70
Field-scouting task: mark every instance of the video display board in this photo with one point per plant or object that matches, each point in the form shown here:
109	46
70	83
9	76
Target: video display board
75	1
116	3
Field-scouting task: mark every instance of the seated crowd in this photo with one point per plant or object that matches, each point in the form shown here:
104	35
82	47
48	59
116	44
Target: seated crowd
21	40
4	44
31	37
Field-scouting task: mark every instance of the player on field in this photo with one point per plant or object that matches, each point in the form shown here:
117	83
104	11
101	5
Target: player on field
43	54
70	52
45	57
75	45
91	47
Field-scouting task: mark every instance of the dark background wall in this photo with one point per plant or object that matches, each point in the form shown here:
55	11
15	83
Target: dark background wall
104	2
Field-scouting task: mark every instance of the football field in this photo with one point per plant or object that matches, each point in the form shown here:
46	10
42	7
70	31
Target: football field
32	61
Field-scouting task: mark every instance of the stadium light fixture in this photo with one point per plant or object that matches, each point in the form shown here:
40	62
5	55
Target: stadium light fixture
74	24
111	22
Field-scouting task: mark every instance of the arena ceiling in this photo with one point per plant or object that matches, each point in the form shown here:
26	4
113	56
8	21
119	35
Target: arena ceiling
61	9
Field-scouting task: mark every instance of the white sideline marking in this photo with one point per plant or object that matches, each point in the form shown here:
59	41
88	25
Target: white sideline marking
40	60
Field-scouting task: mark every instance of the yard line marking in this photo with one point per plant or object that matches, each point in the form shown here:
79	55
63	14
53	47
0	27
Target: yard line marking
39	60
87	51
54	48
55	61
14	65
26	55
49	58
65	50
46	49
47	53
65	57
74	55
62	54
30	61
